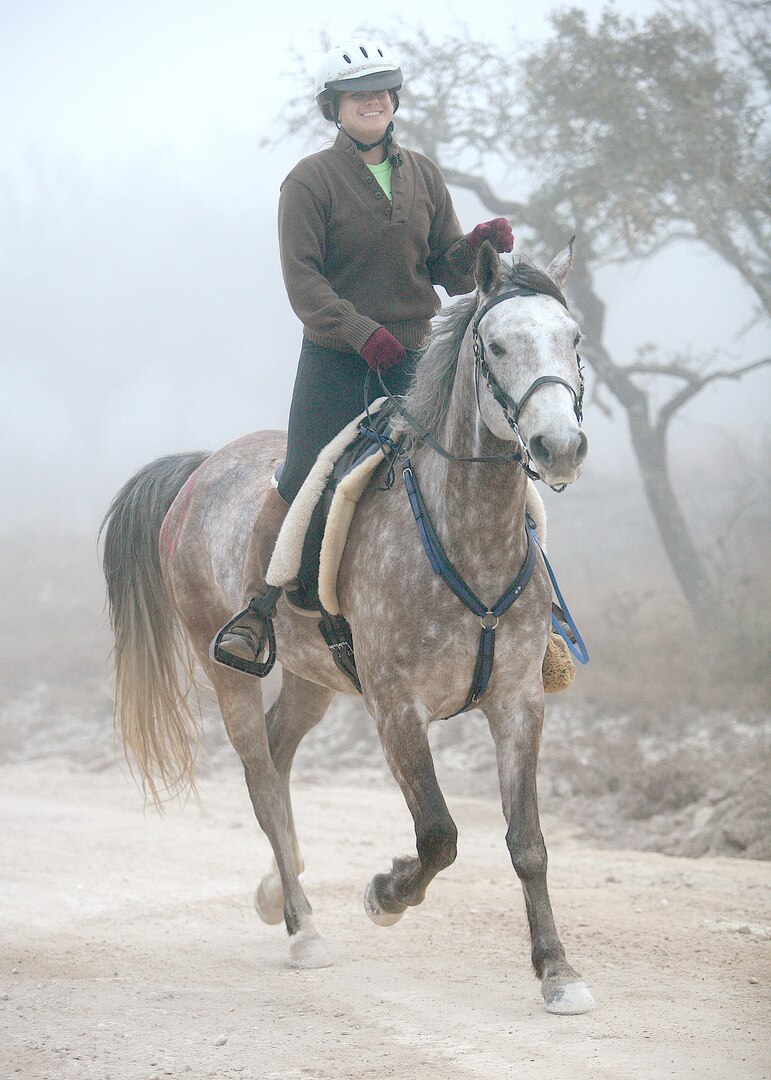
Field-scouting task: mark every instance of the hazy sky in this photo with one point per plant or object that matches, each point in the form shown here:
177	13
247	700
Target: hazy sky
112	82
141	302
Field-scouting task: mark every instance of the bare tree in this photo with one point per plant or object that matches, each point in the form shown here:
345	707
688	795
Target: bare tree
633	136
749	25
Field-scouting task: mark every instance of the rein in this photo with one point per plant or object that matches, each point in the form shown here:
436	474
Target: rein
424	436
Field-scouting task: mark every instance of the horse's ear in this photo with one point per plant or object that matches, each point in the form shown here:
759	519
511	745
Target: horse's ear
487	267
559	268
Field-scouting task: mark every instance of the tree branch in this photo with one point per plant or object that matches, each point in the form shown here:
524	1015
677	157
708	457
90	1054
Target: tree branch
480	187
697	384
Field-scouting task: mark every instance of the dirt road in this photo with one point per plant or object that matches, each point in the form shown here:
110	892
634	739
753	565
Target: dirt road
130	948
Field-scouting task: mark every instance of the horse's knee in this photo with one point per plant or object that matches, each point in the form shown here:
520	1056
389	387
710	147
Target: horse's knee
438	845
528	856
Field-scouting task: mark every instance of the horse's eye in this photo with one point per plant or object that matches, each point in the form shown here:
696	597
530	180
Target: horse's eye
575	343
496	349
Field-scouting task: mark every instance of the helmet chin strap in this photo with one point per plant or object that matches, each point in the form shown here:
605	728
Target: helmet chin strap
368	146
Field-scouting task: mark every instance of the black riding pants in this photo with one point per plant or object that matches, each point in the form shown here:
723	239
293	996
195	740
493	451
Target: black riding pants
329	392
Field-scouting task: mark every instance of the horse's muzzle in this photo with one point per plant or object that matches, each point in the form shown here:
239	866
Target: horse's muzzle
559	455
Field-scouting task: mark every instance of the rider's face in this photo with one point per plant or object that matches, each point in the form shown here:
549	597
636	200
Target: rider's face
365	114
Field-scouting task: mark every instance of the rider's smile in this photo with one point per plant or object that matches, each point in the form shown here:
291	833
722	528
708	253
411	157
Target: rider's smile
366	115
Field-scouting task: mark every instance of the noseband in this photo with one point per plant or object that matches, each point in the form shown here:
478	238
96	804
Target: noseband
512	408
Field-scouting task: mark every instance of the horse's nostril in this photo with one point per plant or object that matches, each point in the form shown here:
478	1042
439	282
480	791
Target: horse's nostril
550	449
583	446
540	449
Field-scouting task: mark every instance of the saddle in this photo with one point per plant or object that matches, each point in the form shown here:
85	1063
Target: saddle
294	565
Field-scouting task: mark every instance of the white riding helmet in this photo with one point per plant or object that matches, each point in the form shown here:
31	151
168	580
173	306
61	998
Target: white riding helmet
354	65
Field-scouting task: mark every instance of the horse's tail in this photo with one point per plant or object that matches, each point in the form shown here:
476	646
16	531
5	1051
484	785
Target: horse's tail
159	725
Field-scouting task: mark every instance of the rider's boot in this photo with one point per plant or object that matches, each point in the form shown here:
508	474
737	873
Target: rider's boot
242	640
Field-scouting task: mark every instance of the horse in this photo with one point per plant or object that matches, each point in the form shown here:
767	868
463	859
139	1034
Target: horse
174	547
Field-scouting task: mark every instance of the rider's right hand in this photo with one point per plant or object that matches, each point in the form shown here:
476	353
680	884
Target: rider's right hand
382	350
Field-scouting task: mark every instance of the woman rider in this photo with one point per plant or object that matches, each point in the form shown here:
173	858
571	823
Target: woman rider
366	229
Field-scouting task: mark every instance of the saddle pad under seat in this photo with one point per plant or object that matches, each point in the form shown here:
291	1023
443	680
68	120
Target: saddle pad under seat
347	494
287	556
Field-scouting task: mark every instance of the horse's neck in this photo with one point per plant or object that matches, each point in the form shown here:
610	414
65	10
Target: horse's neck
477	509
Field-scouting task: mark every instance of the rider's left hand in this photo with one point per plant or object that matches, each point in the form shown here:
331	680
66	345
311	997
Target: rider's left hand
498	232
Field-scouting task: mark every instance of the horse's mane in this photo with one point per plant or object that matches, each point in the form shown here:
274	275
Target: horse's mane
429	395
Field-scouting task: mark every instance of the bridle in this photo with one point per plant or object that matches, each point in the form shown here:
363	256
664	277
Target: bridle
512	409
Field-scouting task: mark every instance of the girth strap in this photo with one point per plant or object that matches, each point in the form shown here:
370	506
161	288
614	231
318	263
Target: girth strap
337	634
488	616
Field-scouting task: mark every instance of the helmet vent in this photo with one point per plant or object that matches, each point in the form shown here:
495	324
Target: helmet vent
364	52
347	58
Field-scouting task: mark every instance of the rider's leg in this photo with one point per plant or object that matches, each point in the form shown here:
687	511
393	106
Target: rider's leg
246	638
329	392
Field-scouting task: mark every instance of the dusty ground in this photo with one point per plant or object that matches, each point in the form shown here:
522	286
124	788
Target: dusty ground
130	949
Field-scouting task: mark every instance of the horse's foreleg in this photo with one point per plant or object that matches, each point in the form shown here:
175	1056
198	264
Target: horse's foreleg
405	741
297	709
517	739
240	701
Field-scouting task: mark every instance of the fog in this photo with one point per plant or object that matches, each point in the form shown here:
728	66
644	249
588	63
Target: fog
142	306
142	312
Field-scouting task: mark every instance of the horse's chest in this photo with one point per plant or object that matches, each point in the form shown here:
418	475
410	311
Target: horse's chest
423	638
411	630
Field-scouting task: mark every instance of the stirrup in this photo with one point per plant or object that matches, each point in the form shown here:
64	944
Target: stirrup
261	608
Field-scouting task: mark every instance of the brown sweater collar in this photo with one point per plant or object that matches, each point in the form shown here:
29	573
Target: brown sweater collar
346	144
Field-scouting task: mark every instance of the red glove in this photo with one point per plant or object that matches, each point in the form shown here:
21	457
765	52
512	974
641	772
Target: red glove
382	350
498	232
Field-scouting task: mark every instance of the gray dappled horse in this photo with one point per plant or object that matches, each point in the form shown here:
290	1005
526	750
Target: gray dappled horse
175	543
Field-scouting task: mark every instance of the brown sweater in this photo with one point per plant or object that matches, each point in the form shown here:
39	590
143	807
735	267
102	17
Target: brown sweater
353	262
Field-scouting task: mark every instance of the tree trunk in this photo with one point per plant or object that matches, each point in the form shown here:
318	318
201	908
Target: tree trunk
650	447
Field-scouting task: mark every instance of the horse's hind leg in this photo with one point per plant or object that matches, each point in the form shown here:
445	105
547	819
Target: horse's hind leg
404	737
517	737
240	701
297	709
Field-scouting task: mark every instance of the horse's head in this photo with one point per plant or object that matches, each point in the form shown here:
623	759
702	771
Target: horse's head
529	382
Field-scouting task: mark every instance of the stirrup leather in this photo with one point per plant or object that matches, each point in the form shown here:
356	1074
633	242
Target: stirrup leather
262	608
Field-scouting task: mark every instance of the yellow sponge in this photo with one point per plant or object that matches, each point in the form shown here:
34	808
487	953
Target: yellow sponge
558	668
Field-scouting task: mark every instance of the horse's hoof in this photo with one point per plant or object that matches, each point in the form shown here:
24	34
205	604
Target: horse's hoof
379	918
270	911
306	952
570	999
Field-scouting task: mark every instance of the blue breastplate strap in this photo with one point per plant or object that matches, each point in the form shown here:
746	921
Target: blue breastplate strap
488	616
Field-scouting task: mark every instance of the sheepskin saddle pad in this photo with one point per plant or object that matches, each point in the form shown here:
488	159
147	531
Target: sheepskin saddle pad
310	545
